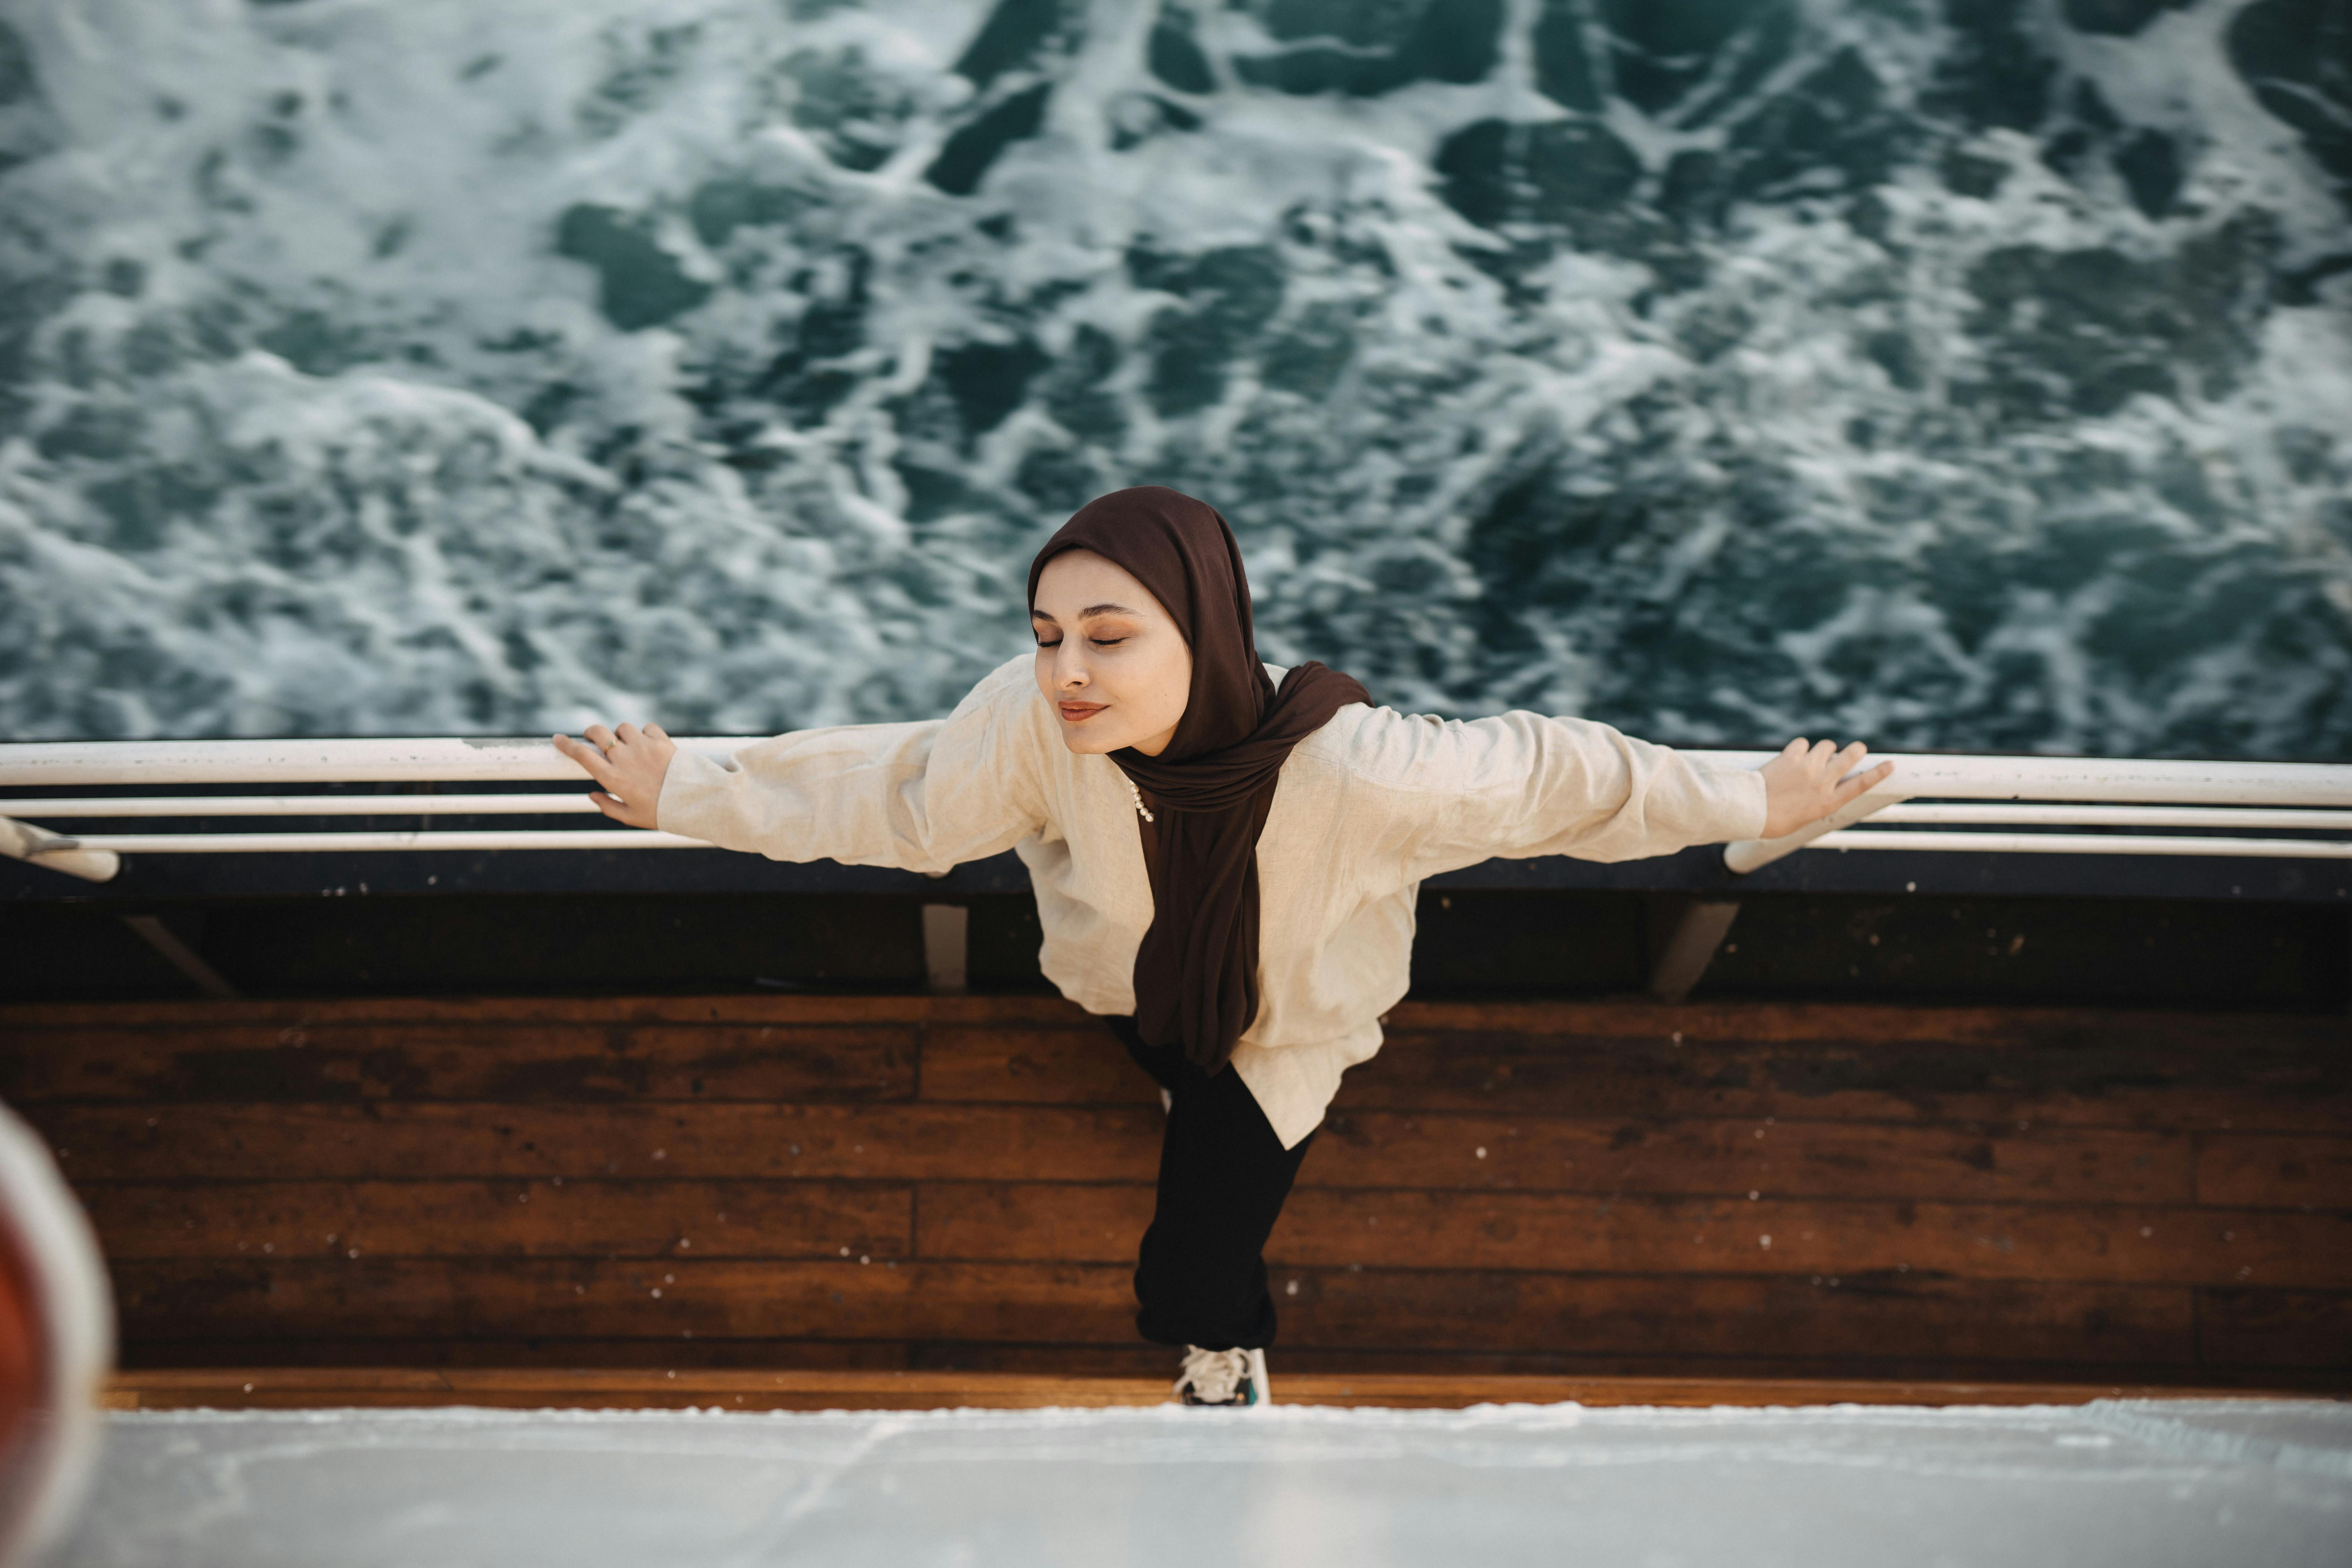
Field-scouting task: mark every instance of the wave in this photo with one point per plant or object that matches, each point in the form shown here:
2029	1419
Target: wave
1963	375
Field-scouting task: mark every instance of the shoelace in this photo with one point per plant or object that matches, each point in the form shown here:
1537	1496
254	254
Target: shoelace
1215	1375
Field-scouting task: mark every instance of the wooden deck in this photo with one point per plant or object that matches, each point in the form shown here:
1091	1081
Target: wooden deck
950	1188
312	1388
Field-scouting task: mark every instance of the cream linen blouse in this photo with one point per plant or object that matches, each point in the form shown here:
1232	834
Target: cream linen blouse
1365	807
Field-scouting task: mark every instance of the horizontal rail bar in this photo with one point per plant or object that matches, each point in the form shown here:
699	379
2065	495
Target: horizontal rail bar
545	803
2067	815
2086	844
549	803
641	838
468	758
1917	776
289	843
68	763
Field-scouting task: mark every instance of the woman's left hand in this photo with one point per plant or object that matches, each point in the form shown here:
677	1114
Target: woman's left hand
1800	785
630	763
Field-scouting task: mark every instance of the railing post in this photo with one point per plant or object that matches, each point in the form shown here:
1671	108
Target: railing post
946	947
1689	946
180	955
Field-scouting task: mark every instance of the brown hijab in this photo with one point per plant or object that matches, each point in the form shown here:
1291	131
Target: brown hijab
1196	973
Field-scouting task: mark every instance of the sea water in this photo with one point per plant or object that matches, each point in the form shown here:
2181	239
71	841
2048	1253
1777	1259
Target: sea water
1971	374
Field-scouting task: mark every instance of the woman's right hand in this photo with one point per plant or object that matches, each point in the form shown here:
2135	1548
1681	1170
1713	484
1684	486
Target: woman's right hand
1801	785
629	762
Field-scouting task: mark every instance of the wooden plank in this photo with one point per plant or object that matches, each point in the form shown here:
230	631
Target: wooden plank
1291	1358
1550	1232
179	1300
2283	1075
167	1302
1039	1066
925	1142
1634	1018
311	1142
1617	1018
1767	1155
2274	1328
2105	1244
1135	1358
343	1061
1035	1222
2086	1069
255	1348
1878	1315
747	1008
2252	1170
533	1388
554	1219
275	1388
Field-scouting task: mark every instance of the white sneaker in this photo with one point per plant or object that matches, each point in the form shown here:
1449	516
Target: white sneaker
1235	1378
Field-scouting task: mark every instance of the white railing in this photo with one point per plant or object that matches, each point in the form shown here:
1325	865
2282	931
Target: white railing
2151	800
66	764
2078	792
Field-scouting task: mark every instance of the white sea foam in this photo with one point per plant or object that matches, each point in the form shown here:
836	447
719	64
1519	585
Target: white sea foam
441	367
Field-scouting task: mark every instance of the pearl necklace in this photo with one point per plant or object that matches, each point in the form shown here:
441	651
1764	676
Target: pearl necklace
1138	800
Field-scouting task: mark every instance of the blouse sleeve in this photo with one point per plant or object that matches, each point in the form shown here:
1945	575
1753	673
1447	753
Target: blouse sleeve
1454	793
921	796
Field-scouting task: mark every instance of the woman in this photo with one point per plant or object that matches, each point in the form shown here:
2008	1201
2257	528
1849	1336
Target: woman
1226	867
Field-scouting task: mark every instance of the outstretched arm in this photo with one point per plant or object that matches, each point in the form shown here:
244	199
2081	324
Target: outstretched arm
1449	792
920	796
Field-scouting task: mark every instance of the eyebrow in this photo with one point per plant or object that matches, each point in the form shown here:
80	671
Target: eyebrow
1088	612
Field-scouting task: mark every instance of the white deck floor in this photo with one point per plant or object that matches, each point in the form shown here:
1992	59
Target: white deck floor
2237	1483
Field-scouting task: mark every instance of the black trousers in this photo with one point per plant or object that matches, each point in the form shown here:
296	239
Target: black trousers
1201	1274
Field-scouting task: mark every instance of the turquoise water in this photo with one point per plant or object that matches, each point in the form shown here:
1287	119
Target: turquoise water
1971	373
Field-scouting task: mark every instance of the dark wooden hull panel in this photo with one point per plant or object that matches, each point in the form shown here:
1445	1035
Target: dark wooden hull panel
2050	1197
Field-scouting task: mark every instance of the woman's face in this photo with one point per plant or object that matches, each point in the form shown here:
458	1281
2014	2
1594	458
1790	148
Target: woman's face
1110	659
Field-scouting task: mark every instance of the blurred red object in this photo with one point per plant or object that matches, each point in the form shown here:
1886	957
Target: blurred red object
57	1343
